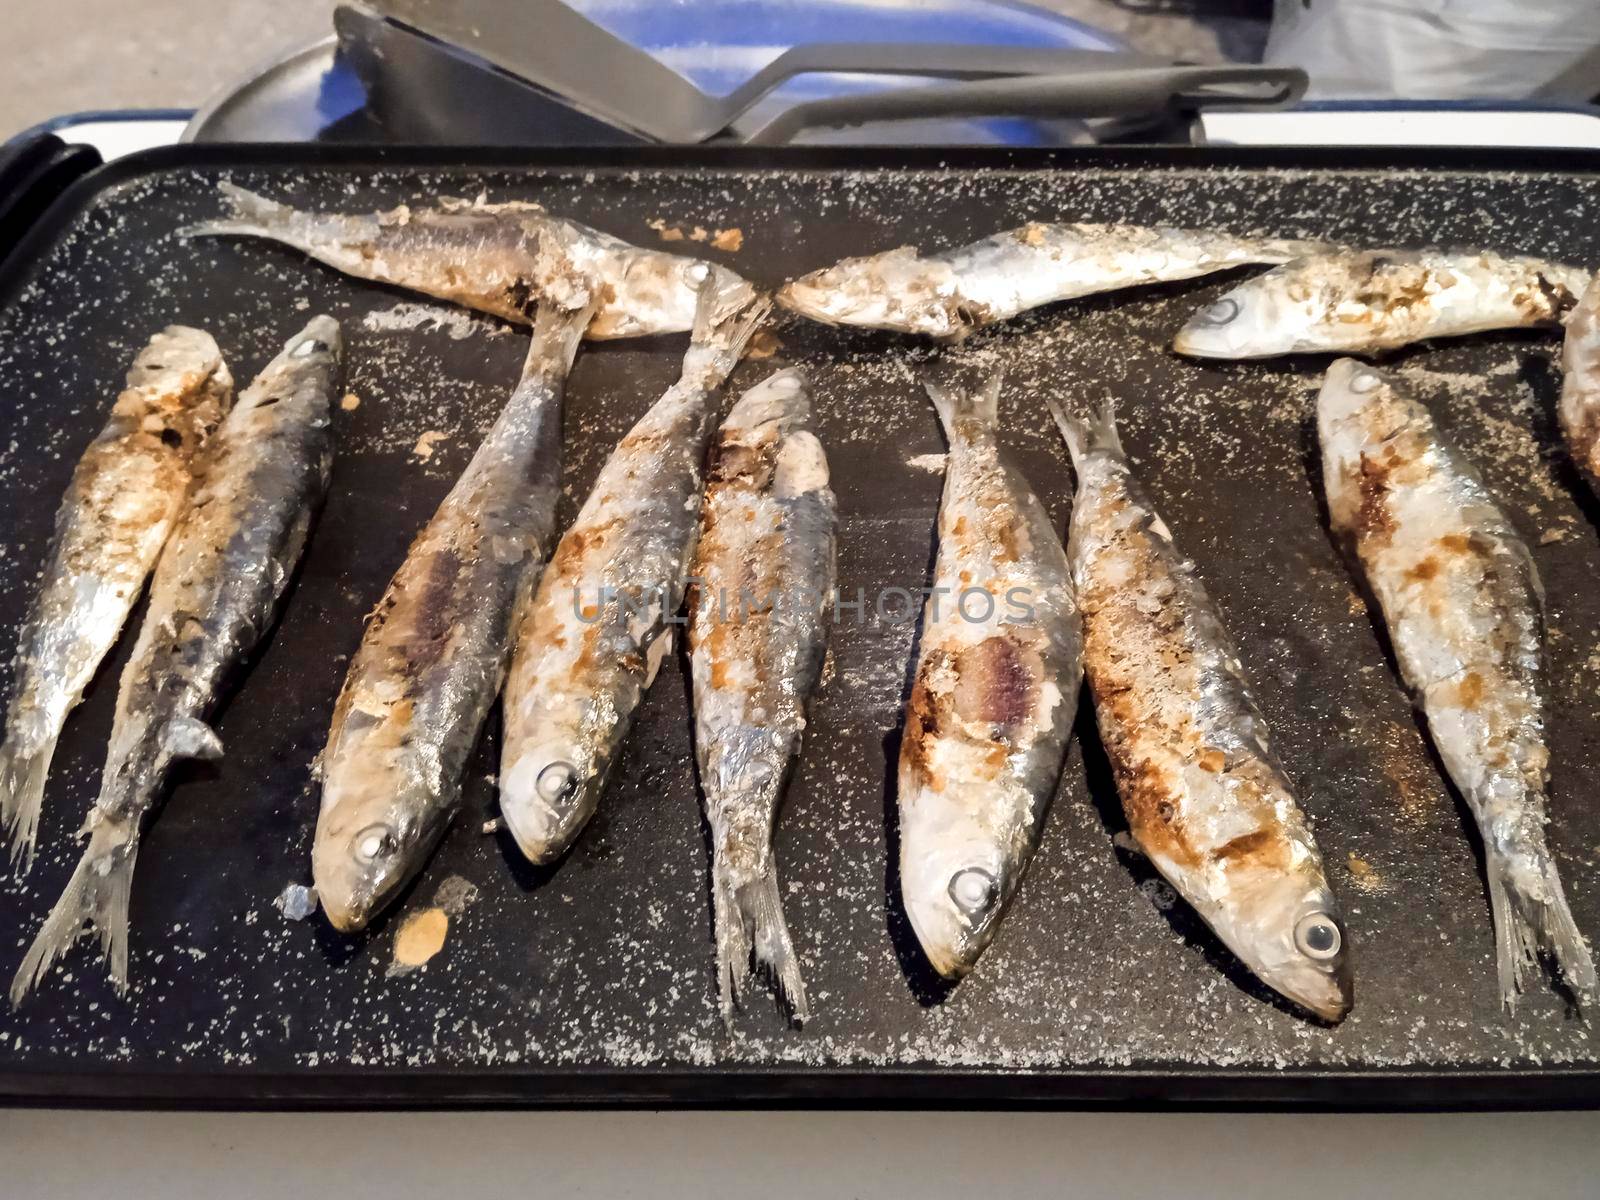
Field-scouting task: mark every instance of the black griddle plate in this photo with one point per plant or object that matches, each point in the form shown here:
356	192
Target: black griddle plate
593	981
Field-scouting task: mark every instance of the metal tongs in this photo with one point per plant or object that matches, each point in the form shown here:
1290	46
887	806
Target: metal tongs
565	57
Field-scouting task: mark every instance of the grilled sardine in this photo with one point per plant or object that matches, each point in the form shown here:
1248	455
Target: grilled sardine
434	653
1205	797
599	625
763	586
125	494
1361	302
1464	609
948	294
1579	408
216	592
998	673
503	259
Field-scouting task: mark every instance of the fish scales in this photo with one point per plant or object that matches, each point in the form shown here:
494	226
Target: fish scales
216	591
762	588
1205	797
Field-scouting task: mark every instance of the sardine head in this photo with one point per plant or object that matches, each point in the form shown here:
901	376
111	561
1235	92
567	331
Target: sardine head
361	861
955	889
1259	318
546	798
1290	933
1352	391
894	290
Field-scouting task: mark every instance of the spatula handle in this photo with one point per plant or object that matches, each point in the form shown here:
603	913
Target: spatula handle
1136	92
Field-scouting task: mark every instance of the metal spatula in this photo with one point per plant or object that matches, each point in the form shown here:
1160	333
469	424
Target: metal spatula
558	50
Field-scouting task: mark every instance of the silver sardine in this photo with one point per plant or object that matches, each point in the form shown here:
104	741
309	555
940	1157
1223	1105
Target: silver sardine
1579	407
503	259
598	627
998	673
124	496
763	585
215	594
434	653
1206	799
948	294
1463	606
1361	302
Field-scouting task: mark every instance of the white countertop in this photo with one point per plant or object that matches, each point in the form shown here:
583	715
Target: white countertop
772	1155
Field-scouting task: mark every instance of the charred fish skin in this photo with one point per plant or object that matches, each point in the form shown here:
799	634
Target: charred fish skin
995	691
949	294
1463	606
125	495
216	592
764	575
1579	407
1371	301
599	624
501	259
1205	797
433	656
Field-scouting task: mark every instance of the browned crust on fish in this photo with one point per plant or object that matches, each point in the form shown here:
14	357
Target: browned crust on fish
997	684
1152	742
1373	521
1549	300
1266	848
739	472
926	722
996	692
1583	436
1435	574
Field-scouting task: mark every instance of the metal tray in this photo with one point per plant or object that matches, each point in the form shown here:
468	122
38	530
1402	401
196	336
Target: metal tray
592	981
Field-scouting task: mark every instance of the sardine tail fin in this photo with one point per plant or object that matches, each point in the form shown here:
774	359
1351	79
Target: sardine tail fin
751	933
1088	435
954	403
762	910
557	333
250	215
96	897
1528	919
23	770
728	310
733	943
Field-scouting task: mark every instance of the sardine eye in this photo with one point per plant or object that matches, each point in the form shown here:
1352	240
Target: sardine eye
1364	381
309	347
375	842
1220	313
556	782
974	892
1317	936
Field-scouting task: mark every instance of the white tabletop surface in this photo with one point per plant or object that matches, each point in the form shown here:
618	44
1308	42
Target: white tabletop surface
773	1155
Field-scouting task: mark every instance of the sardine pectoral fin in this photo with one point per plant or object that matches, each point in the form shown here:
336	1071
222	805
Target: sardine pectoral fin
189	737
